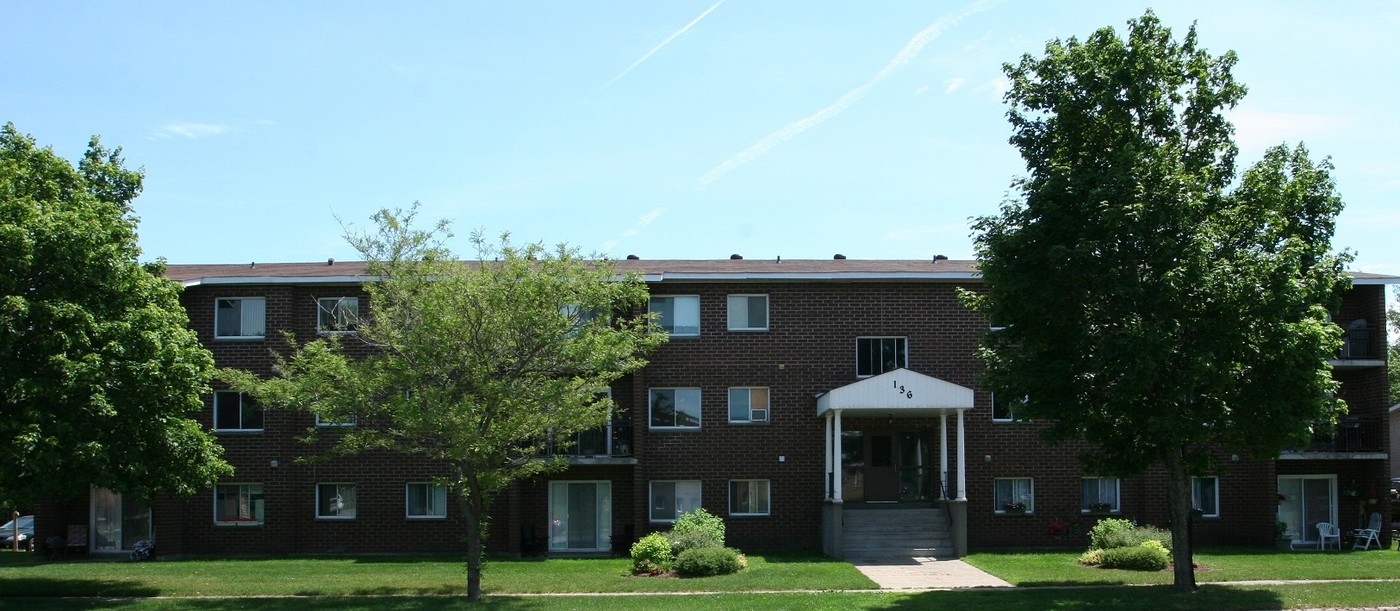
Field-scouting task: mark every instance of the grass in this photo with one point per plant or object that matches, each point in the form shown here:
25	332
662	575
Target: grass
396	575
314	584
1041	568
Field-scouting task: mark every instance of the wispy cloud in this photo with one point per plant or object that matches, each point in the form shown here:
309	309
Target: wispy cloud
796	128
642	223
188	130
955	84
1256	130
660	46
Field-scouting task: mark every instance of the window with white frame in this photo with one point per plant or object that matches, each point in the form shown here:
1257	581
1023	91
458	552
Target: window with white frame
1205	495
673	498
675	408
240	318
1001	409
748	404
238	504
578	317
425	500
1100	494
748	312
876	355
234	411
337	314
335	501
1015	495
679	315
748	497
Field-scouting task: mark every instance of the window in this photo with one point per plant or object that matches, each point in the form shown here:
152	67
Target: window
579	317
323	422
238	504
337	314
1015	495
1205	495
679	315
1100	494
748	404
335	501
235	412
876	355
748	497
240	317
424	500
748	312
673	498
675	408
1001	409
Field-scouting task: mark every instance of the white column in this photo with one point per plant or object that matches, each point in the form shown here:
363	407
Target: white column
962	460
829	470
943	455
836	478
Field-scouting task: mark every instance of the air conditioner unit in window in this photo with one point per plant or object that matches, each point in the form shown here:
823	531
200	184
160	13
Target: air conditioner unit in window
760	415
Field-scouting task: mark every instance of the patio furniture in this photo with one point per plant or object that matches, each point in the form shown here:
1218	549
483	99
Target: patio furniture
1362	538
1326	531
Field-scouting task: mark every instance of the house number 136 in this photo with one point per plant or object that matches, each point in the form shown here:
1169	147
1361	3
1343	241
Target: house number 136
899	388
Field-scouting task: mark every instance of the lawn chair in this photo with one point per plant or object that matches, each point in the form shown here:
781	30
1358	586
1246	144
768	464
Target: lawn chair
1362	538
1327	530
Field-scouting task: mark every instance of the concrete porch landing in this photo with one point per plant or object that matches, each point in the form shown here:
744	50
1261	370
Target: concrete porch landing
922	573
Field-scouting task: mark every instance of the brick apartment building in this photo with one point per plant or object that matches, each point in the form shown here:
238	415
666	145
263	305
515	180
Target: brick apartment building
813	404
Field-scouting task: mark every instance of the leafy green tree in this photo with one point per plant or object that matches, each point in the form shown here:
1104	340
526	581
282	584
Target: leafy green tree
475	364
1393	356
1149	309
98	368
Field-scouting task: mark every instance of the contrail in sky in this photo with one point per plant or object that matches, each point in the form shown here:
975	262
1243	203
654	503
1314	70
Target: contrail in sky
792	130
659	47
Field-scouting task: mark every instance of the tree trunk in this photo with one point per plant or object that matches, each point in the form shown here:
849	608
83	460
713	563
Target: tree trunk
1179	505
472	508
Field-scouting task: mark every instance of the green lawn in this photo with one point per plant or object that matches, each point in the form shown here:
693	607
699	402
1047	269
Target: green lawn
1040	568
340	584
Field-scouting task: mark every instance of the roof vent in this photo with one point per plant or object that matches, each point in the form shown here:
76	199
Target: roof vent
839	257
330	261
633	258
736	257
937	258
252	264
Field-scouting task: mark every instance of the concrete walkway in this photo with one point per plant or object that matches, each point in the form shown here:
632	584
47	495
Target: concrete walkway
924	574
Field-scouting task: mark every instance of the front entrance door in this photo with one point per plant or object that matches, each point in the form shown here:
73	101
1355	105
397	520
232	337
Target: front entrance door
580	516
118	522
886	466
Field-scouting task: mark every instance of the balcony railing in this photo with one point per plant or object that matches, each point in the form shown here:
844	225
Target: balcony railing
1356	343
1352	434
612	440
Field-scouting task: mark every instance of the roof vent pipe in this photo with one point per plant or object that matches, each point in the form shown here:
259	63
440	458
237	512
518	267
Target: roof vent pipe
330	261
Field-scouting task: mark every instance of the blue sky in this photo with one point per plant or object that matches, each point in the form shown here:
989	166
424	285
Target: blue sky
665	129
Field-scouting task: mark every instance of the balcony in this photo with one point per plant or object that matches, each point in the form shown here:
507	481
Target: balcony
610	444
1357	352
1350	438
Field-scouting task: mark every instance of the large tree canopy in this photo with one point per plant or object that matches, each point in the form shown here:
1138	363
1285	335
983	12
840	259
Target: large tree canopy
98	368
474	364
1153	305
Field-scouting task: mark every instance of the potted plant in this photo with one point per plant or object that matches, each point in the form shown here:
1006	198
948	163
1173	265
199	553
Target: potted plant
1281	539
1014	507
1100	507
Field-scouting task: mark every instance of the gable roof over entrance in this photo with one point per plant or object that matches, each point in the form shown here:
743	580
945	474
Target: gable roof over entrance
896	393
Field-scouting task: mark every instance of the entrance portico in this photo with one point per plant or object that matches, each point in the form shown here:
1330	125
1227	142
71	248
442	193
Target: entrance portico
891	462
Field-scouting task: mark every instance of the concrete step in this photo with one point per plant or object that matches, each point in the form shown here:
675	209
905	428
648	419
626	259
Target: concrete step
896	532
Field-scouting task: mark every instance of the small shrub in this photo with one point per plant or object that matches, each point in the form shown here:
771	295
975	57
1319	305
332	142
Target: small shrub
699	520
708	561
1093	557
1139	558
692	539
1110	533
651	554
1144	534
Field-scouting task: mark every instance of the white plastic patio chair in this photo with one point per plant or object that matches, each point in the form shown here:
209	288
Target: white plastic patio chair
1362	538
1327	530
